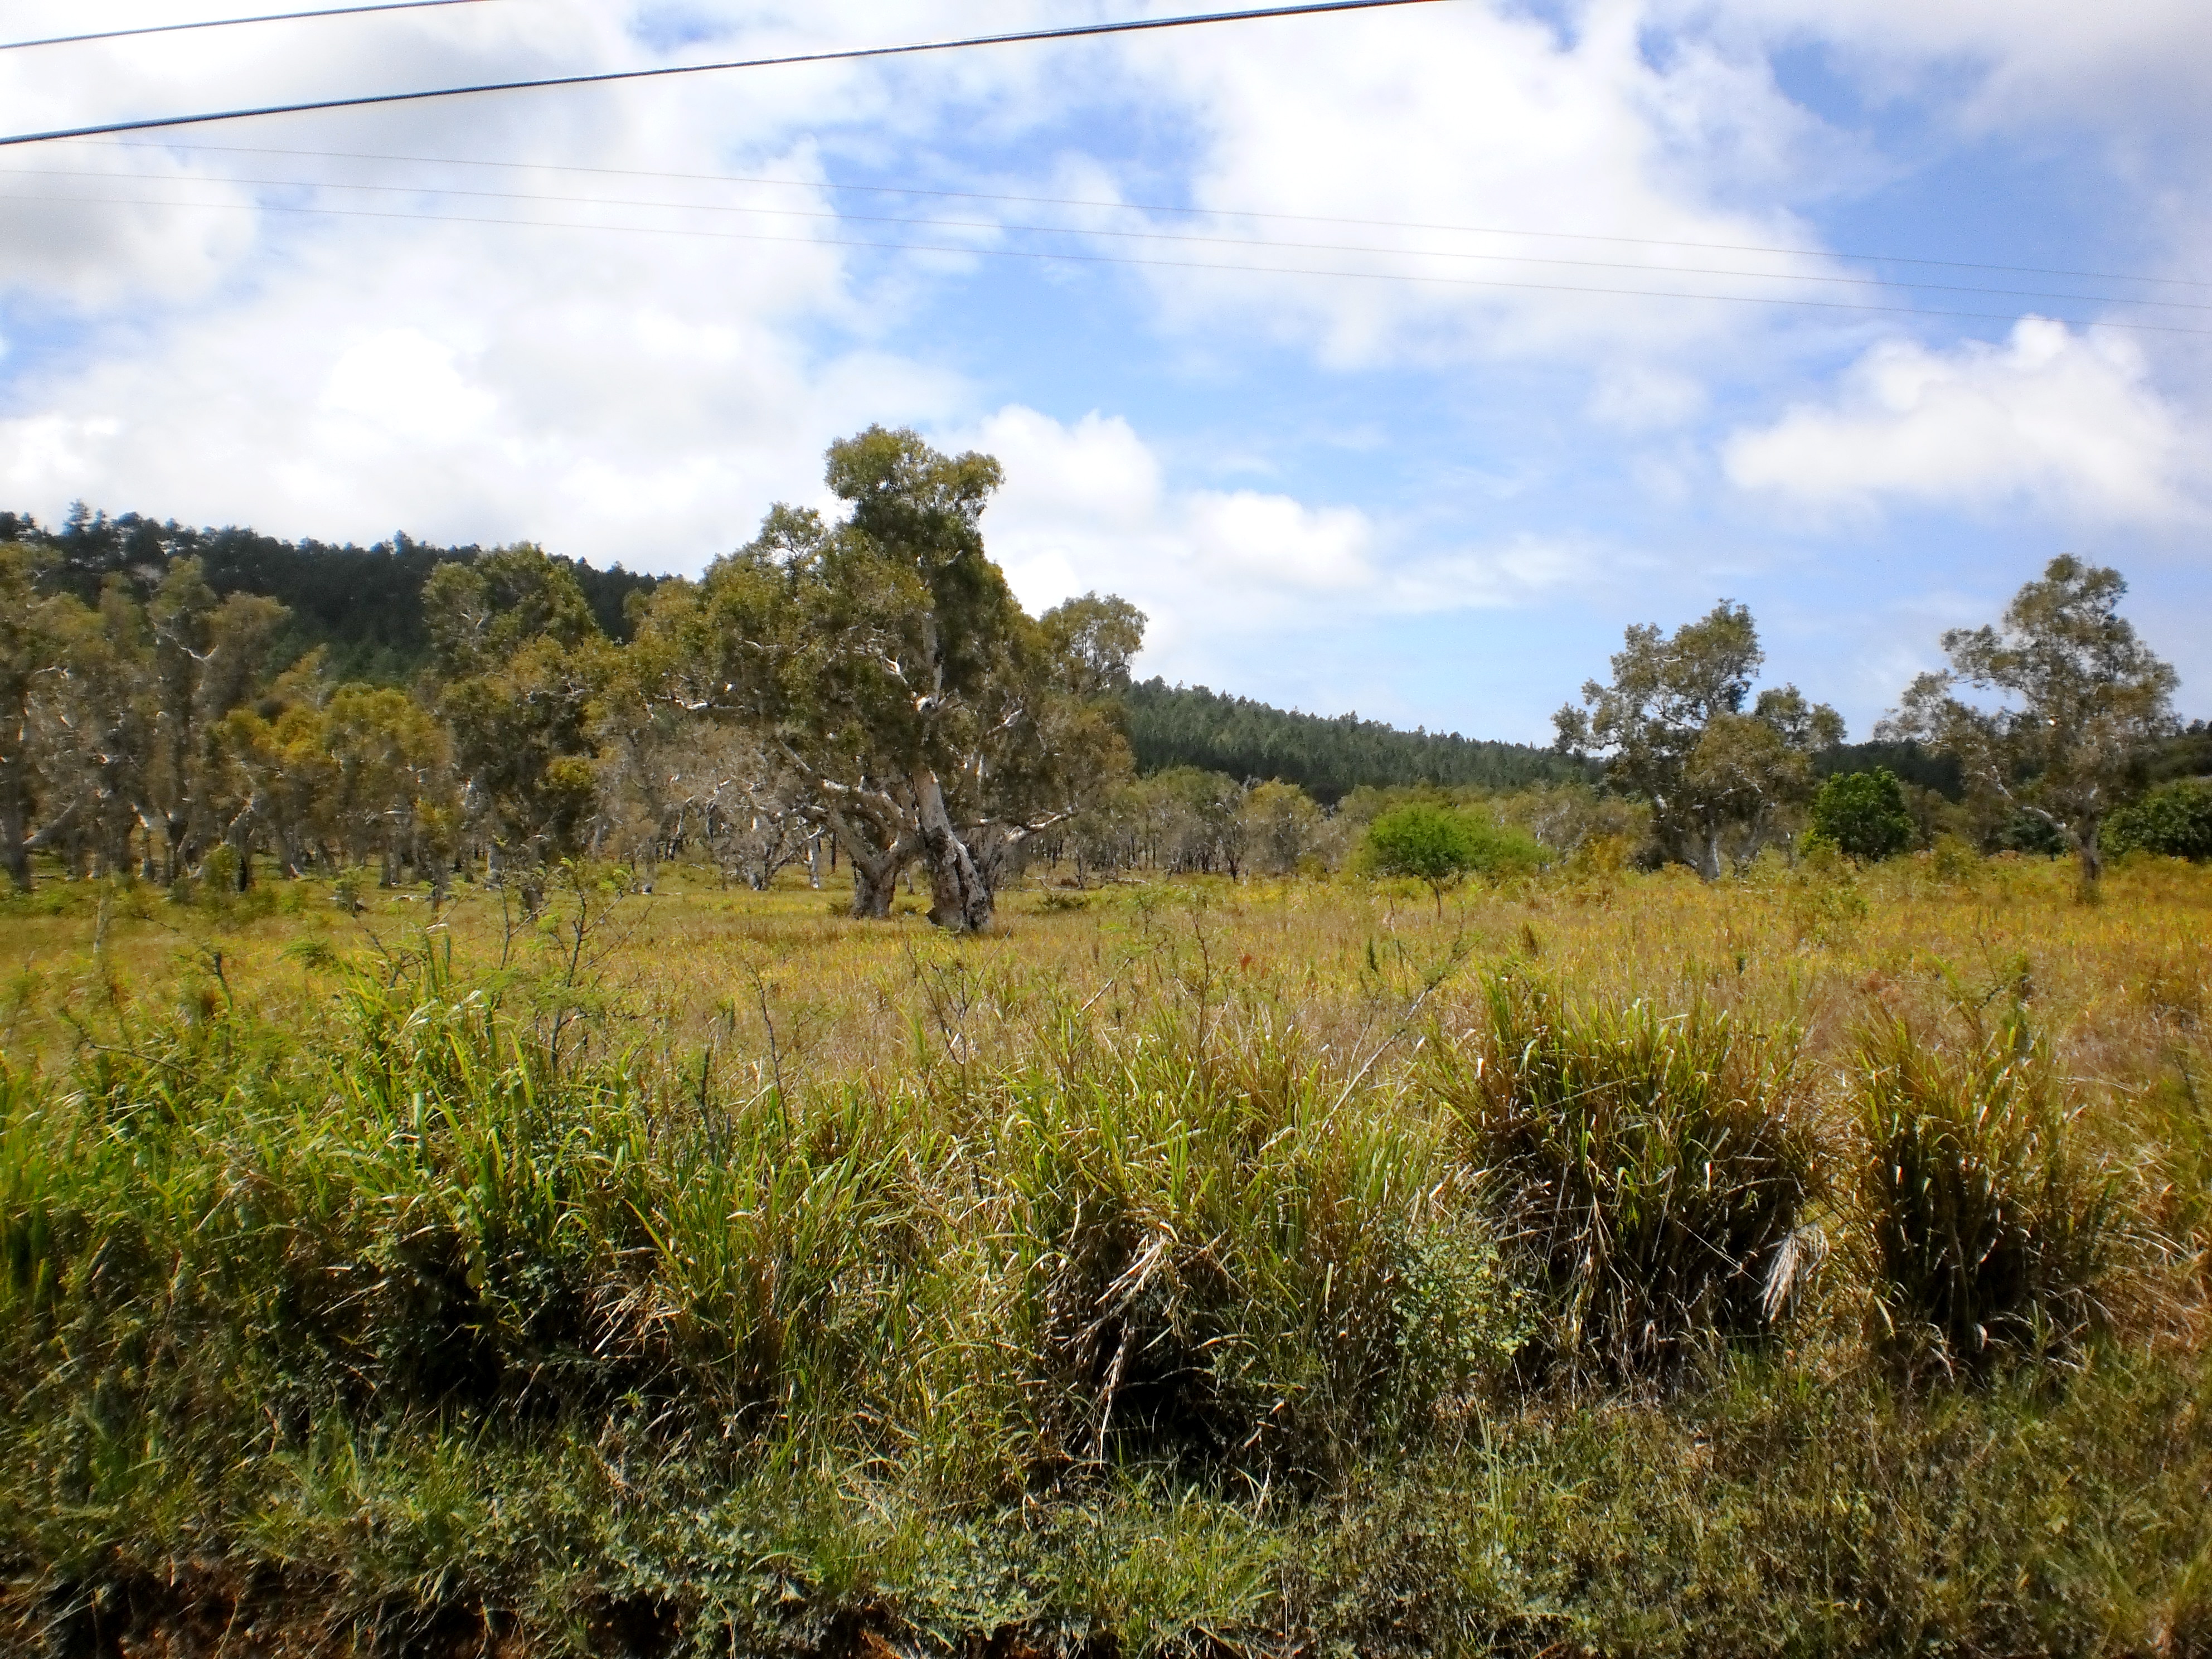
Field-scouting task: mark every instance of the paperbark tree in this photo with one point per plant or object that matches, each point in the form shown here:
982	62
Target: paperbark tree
2081	701
33	641
886	660
521	661
1673	728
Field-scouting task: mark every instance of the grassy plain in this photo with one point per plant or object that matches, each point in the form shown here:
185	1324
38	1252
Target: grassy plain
1263	1267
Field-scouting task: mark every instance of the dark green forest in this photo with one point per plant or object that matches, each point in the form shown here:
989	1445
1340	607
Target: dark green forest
363	604
1328	757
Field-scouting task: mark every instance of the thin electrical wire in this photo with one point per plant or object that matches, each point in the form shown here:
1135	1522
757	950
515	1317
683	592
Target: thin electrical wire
605	77
1157	207
1174	237
232	22
1106	259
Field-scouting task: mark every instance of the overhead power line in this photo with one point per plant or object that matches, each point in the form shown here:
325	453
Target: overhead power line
851	54
232	22
1845	280
1157	207
973	250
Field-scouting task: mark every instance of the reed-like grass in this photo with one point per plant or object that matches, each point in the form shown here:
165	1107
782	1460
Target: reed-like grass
1993	1231
1652	1171
1269	1269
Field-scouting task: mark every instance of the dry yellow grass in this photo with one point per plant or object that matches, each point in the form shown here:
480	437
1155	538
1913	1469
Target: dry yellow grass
2123	988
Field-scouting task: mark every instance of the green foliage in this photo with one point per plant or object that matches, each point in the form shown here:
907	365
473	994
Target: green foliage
2084	706
2173	820
364	605
1674	730
1992	1233
1652	1172
1439	845
1863	814
1328	758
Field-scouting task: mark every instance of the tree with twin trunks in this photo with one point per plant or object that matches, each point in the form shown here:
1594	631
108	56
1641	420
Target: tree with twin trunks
887	661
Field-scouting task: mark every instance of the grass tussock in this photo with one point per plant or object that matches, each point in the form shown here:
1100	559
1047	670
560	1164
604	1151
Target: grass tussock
1652	1171
1994	1232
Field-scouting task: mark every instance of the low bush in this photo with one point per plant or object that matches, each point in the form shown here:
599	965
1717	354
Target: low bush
1863	815
1441	845
2174	822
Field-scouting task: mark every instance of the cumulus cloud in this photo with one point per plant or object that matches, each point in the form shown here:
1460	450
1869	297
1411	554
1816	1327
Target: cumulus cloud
2052	419
1086	507
1457	116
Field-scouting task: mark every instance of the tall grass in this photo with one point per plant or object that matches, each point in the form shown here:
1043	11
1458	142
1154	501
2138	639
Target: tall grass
1652	1170
1172	1281
1993	1233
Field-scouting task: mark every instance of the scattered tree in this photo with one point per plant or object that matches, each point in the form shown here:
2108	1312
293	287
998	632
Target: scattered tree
2082	702
1441	845
884	660
1673	729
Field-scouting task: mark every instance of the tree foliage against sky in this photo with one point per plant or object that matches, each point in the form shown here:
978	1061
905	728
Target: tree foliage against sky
1672	727
2080	704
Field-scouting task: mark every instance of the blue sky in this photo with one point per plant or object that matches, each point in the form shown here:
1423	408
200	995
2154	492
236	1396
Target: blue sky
1434	501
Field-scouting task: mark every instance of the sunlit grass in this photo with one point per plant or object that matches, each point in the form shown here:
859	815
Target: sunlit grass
1266	1266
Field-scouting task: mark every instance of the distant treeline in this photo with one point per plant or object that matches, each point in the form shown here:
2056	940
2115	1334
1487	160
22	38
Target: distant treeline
1326	757
363	604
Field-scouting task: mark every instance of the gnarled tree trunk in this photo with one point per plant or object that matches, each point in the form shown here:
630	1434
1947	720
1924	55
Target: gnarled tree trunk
876	860
962	900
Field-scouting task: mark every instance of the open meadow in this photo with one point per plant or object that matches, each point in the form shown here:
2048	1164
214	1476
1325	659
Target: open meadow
1811	1261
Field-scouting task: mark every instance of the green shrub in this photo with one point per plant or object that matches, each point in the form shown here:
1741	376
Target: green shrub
1440	845
1992	1235
2174	822
1651	1171
1863	814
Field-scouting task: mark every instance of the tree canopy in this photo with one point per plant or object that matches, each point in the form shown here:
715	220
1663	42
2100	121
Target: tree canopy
1863	814
2081	704
1672	727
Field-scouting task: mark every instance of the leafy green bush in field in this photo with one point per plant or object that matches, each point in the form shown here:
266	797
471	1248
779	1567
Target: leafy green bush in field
2174	822
1652	1172
1863	815
1440	845
1992	1234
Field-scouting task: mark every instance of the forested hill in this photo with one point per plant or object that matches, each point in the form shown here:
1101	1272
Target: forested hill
1329	757
364	604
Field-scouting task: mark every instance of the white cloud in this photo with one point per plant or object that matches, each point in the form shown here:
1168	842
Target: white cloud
1085	508
2115	63
2053	420
1476	116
